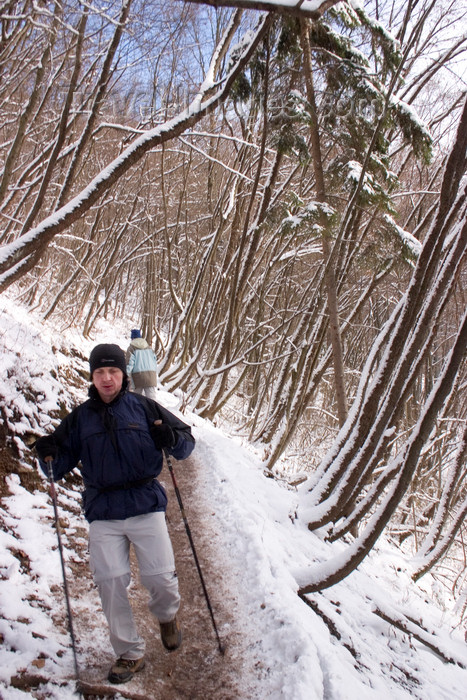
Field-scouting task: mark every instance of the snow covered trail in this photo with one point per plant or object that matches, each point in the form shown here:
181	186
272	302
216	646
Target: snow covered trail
254	547
248	540
45	669
197	670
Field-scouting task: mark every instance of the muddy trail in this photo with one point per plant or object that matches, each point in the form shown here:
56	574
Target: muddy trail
198	669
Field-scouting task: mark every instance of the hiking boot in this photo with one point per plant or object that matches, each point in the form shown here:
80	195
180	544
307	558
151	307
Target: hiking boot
123	670
171	634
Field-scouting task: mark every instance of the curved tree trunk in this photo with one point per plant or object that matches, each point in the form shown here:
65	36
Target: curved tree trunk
405	467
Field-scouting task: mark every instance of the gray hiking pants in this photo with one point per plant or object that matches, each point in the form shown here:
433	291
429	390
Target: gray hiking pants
149	391
109	550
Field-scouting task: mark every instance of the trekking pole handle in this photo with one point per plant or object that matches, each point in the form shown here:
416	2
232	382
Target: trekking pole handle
50	473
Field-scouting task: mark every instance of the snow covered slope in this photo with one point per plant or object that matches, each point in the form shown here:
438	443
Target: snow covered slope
335	645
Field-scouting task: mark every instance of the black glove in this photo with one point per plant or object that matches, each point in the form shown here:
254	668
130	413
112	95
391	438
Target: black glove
163	435
46	447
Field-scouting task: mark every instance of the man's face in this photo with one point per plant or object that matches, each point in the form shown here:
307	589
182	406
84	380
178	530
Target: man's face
108	382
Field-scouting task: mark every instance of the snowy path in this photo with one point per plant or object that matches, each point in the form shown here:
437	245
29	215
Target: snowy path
197	670
277	647
254	547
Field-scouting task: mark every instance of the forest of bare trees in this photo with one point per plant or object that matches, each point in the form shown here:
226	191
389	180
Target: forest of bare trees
278	199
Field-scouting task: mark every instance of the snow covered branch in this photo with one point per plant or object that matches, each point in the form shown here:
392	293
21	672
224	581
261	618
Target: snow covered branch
420	633
21	255
312	9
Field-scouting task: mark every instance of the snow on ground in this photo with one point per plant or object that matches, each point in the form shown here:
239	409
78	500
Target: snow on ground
334	648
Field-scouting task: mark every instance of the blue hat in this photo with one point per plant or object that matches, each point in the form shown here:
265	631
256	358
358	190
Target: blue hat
135	333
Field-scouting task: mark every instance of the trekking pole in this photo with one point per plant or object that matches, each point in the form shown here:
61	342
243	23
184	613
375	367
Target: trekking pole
53	495
193	549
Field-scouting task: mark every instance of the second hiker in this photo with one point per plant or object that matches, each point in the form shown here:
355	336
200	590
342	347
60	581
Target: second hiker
141	365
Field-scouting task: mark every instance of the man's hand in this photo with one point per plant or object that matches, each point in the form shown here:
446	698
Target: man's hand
162	435
46	448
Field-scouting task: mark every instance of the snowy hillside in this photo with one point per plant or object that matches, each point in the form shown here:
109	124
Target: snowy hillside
335	645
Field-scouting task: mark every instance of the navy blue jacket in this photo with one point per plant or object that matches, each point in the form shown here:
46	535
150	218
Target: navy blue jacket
112	446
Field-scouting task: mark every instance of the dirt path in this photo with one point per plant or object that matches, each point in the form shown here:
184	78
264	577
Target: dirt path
197	669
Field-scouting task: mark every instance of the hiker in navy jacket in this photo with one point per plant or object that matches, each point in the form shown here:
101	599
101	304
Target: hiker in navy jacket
117	438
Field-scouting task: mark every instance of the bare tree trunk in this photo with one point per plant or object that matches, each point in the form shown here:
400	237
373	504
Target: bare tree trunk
330	279
98	99
403	470
40	72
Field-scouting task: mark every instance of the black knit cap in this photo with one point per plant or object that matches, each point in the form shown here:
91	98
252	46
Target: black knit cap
107	355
